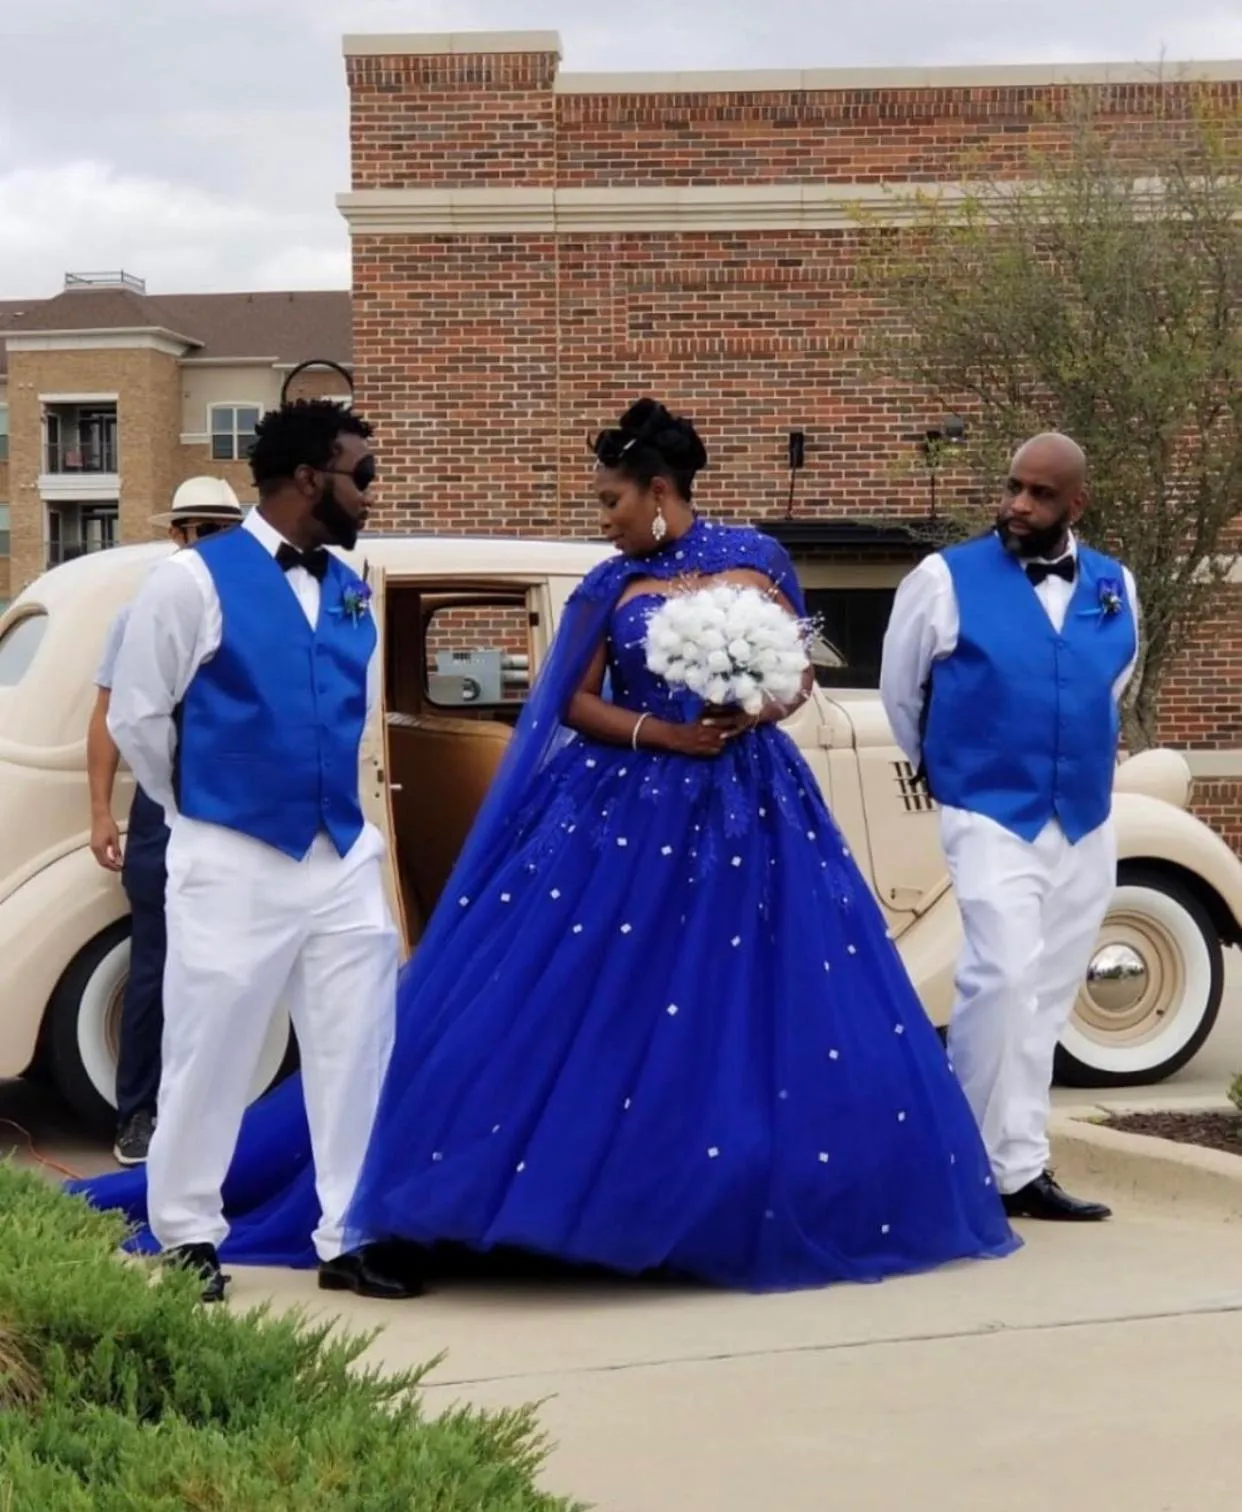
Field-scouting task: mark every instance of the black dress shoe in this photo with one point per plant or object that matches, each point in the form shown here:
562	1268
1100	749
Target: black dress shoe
372	1272
203	1261
1043	1198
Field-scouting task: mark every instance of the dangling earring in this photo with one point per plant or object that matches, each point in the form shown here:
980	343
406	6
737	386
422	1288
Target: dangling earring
659	527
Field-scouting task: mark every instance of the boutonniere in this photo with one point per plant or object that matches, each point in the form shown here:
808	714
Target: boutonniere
1109	597
355	602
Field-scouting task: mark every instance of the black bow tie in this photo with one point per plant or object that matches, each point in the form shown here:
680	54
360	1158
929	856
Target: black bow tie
1038	571
315	561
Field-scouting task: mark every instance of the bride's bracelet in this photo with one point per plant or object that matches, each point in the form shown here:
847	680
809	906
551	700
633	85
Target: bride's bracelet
638	724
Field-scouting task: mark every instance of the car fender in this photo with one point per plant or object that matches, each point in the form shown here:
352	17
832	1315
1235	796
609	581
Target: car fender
929	951
44	923
1149	830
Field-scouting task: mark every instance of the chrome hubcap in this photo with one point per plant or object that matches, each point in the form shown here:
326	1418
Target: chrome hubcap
1118	979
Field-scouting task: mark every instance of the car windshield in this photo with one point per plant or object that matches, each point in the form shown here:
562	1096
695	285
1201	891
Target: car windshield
18	646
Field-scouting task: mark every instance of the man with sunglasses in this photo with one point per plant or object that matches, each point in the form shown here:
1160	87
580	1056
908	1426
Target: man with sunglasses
243	690
200	507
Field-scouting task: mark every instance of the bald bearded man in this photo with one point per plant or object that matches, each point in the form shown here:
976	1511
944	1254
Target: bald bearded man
1004	665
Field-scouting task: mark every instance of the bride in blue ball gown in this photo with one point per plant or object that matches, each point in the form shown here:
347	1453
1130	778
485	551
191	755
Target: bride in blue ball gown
657	1022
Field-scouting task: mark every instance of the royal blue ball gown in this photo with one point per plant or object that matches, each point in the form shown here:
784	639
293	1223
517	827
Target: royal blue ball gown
657	1023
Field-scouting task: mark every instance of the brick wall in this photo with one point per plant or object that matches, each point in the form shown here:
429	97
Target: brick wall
5	595
1201	704
486	360
844	135
473	119
1219	803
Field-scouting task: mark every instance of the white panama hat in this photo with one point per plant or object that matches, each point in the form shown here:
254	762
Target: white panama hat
201	499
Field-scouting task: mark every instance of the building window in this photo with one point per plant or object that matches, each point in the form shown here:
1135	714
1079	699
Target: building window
853	622
75	530
4	433
6	544
81	439
232	431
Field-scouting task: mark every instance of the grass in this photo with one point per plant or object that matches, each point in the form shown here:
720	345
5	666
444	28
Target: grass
120	1393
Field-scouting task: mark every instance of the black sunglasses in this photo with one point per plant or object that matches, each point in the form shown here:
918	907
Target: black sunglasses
361	475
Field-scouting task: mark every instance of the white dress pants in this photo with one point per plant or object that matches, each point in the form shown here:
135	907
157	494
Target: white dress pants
1031	913
246	926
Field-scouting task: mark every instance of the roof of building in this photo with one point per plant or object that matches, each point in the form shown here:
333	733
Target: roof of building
286	327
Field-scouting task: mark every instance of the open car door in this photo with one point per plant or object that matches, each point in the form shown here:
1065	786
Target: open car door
459	660
373	775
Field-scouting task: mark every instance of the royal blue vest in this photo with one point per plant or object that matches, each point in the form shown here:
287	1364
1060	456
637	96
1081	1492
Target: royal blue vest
271	725
1021	722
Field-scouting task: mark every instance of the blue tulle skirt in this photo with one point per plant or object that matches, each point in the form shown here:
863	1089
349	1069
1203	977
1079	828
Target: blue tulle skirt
669	1032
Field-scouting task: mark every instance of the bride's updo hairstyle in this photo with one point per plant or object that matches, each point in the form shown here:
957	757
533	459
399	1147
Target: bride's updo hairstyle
649	443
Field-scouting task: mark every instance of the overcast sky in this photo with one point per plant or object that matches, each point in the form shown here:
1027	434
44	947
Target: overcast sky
201	147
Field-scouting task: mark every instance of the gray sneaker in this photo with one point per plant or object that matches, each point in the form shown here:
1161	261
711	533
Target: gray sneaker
134	1140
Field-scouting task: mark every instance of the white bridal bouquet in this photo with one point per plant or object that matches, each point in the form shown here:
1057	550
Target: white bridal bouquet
730	645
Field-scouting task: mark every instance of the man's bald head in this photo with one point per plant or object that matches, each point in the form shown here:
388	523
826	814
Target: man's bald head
1052	450
1045	495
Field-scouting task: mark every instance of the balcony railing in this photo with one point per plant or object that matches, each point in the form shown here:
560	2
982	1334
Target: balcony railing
58	555
81	457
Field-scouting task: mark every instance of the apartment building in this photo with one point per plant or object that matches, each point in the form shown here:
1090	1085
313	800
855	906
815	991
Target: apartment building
110	397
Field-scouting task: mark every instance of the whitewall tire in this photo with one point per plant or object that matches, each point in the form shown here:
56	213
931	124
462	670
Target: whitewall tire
83	1030
1154	988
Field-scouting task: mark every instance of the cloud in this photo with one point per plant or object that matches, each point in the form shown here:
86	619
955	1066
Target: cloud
83	215
203	148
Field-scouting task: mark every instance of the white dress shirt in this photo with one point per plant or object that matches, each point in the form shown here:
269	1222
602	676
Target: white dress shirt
175	625
112	649
924	629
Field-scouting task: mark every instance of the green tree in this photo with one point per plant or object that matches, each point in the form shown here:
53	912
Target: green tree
1098	293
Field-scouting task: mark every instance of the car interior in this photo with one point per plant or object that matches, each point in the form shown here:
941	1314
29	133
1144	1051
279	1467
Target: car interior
457	672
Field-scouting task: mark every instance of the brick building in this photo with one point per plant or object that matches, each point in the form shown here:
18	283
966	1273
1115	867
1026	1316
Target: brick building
110	397
532	249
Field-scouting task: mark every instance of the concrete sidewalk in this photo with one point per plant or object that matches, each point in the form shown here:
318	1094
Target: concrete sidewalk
1100	1368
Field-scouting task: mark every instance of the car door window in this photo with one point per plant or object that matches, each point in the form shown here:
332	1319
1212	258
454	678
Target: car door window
477	654
18	646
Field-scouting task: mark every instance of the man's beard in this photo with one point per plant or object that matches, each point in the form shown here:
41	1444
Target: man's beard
340	525
1048	542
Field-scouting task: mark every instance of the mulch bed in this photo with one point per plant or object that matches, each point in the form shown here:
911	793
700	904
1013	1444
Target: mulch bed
1214	1131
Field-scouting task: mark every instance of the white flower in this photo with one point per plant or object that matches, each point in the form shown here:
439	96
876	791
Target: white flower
732	645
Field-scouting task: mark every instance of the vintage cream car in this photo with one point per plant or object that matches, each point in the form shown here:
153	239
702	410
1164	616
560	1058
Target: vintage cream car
464	623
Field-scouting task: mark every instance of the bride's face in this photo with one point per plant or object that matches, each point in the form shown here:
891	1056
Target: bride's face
627	510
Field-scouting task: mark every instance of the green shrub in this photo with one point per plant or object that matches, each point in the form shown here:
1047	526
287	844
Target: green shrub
1235	1092
119	1393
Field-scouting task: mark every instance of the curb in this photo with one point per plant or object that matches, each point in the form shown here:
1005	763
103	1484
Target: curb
1142	1168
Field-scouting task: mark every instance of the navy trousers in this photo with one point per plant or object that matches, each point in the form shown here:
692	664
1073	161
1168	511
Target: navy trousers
142	1013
